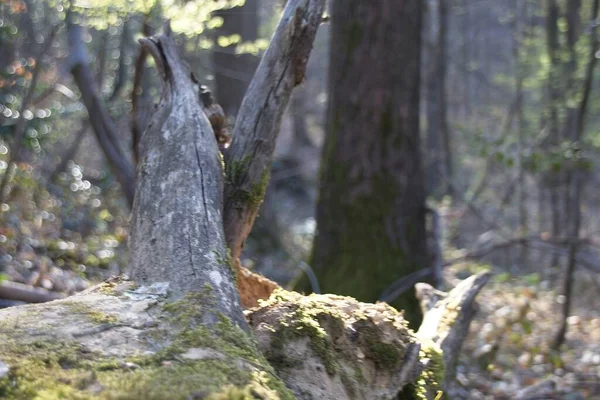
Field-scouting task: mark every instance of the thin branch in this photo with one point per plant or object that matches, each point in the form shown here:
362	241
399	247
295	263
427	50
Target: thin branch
136	129
552	244
122	68
29	294
249	158
103	125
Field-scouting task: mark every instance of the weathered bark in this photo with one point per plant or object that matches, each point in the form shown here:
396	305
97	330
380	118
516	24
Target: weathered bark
335	348
233	72
371	210
176	227
118	342
326	347
248	160
447	319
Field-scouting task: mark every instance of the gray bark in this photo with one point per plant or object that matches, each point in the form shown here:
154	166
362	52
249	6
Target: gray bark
248	161
176	228
447	319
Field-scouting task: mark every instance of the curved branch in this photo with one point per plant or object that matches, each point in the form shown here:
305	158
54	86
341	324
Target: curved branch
102	124
248	161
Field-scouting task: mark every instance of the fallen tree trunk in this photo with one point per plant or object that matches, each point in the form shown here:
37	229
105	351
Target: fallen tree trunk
20	292
120	341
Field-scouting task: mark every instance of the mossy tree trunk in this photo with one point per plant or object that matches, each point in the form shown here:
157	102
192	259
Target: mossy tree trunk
371	213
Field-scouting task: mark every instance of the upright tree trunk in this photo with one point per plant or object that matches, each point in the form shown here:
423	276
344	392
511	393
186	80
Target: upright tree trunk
439	149
176	229
466	56
434	153
249	158
371	213
443	107
519	72
233	72
551	177
576	184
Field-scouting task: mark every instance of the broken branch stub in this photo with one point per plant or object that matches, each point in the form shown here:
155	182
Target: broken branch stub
176	228
447	317
248	161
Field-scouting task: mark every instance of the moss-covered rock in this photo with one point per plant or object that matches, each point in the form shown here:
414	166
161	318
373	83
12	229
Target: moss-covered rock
99	346
334	347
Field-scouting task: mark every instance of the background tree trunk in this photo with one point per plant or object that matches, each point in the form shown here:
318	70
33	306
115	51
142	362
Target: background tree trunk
434	153
371	213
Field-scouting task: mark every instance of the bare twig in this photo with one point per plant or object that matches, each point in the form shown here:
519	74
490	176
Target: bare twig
122	69
555	245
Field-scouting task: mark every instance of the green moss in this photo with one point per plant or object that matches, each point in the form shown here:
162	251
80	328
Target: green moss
236	170
227	261
385	355
236	174
257	193
95	316
55	368
429	384
107	289
304	319
115	286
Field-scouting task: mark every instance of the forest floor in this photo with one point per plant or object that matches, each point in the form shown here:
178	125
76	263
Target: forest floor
507	356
